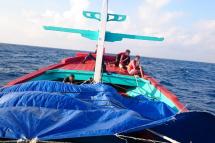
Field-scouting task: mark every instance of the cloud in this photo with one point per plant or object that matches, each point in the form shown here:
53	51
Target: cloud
70	17
28	28
198	41
153	19
194	41
203	34
191	42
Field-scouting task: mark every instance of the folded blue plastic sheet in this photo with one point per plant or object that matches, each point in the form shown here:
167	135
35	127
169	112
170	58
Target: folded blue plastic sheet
52	110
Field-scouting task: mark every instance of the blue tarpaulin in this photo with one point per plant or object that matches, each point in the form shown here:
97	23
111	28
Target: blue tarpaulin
50	110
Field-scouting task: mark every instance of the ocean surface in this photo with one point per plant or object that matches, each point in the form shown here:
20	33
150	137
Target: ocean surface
192	82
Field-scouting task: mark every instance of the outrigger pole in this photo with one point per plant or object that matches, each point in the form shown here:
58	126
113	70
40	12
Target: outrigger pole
102	35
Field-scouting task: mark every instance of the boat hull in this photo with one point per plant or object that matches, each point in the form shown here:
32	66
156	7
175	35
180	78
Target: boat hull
188	122
75	63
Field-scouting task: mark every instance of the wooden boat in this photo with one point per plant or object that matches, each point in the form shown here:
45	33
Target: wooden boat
158	116
125	84
120	79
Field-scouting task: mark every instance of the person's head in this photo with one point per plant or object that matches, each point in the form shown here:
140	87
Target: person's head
71	77
127	52
91	79
137	58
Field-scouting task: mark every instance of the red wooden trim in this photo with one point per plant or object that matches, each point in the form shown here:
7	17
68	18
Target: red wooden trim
33	74
40	71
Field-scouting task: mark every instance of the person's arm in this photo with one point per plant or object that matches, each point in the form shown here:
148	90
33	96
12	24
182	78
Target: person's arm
138	65
121	57
64	80
133	64
125	59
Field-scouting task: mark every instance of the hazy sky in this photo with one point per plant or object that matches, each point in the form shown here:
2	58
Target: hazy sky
187	25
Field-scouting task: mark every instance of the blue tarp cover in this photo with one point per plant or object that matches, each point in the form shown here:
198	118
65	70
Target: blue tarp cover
52	110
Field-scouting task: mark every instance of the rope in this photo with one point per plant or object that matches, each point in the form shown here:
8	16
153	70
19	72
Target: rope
136	78
154	98
163	136
91	81
123	137
149	85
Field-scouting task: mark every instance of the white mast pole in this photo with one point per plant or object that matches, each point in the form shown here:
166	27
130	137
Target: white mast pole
101	42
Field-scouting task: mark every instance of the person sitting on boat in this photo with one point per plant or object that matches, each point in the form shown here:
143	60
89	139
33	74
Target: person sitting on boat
90	56
89	81
70	79
122	59
133	67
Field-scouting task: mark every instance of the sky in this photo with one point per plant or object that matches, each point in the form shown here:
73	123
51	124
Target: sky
188	26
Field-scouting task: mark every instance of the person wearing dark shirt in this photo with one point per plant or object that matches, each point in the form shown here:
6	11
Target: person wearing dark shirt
70	79
89	56
122	59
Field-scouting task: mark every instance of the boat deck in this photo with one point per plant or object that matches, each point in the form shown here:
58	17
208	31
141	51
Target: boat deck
90	64
71	63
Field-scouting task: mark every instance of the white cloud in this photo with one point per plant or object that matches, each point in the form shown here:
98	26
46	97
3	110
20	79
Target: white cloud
204	33
71	17
187	43
155	19
194	42
30	27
